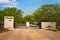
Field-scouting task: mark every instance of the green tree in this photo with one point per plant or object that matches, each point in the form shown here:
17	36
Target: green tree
29	18
47	12
16	13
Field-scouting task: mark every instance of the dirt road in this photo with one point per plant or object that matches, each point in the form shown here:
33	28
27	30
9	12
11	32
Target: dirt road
27	34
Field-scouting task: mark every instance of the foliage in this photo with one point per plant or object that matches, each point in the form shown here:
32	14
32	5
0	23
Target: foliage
29	18
16	13
48	12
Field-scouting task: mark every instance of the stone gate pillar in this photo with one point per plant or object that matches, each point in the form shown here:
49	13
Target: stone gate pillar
27	24
9	22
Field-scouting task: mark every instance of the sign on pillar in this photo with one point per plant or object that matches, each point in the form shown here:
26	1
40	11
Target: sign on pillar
9	22
27	24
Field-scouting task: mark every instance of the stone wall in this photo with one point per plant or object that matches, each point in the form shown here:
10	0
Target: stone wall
9	22
48	25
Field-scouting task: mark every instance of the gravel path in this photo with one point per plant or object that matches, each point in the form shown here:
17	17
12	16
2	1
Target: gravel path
27	34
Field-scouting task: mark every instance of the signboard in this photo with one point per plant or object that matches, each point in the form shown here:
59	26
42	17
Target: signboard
27	24
9	22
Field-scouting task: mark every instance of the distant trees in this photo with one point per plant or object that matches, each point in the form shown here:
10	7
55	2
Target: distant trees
29	18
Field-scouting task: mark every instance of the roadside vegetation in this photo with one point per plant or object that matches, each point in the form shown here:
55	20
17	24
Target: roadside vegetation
48	13
45	13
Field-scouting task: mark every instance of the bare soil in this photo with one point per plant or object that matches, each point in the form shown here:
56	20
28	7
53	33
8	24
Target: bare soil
30	34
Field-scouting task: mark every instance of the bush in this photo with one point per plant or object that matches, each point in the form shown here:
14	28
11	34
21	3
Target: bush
50	28
3	30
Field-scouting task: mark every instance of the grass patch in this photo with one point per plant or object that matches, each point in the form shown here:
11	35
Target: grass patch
52	30
3	30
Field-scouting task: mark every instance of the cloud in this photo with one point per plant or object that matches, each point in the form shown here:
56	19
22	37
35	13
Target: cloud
9	3
12	2
4	1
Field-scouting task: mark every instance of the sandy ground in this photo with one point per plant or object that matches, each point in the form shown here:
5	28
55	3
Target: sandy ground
30	34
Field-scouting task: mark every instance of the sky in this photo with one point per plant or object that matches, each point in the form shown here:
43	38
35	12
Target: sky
27	6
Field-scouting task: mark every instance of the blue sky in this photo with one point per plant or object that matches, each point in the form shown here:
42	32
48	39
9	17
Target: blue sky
27	6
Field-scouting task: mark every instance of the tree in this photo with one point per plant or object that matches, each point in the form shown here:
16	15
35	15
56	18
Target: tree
29	18
48	12
16	13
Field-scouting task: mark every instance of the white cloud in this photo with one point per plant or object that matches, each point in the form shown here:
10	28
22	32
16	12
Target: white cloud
13	2
9	3
4	1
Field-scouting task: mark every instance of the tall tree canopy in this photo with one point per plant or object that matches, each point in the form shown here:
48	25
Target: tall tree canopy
16	13
48	12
